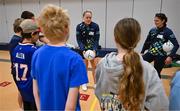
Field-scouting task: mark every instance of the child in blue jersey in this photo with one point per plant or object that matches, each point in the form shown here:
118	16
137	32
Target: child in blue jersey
21	59
57	71
87	36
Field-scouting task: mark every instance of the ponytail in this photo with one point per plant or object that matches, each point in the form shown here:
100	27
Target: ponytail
132	91
131	86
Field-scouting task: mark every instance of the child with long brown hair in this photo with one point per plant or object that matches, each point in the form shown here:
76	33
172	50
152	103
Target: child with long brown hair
124	80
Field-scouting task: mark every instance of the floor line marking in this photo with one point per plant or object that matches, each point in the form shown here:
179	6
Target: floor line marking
93	104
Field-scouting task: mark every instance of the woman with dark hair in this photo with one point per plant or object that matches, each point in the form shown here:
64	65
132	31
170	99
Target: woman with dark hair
124	80
157	37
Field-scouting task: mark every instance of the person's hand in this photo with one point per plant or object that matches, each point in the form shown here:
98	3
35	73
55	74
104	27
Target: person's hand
84	52
142	54
168	60
94	52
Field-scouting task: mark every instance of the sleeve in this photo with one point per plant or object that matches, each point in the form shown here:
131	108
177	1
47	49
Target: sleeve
98	90
33	49
174	101
98	71
33	67
174	98
79	38
96	36
78	72
174	41
147	43
156	99
12	44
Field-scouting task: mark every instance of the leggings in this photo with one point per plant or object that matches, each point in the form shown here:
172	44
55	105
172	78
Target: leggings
159	61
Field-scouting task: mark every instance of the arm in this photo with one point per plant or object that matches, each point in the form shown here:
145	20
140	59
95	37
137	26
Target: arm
44	40
173	40
79	38
72	99
12	44
96	37
78	76
36	94
174	98
156	98
174	101
98	70
98	75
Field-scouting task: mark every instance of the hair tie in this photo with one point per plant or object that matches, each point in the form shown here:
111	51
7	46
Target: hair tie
130	49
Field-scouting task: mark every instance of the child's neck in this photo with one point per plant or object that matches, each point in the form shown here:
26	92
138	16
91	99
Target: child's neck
25	41
54	43
18	34
121	53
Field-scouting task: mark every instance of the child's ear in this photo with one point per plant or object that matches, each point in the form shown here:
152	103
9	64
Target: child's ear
32	34
66	29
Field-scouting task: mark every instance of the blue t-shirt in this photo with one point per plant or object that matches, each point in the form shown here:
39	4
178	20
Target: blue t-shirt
21	59
56	69
174	100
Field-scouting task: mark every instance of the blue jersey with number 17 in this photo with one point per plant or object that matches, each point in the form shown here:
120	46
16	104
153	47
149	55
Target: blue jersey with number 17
21	59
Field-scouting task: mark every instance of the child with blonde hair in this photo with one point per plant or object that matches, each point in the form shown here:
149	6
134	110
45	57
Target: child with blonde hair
57	71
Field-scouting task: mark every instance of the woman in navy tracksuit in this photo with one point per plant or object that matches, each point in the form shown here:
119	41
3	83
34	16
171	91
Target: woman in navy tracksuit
87	36
154	43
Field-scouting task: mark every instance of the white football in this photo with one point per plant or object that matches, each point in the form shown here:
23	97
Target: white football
178	62
168	46
89	55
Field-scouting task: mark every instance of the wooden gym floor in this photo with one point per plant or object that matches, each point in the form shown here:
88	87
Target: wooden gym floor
8	93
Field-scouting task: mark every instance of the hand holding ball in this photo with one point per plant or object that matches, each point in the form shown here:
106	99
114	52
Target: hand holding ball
89	54
168	46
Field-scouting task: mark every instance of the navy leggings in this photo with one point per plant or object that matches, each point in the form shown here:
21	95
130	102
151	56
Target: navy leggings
159	61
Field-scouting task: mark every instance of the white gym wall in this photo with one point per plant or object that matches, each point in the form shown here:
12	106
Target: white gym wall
171	8
105	12
116	10
74	8
144	11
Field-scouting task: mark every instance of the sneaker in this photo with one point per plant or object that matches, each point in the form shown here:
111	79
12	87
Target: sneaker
84	87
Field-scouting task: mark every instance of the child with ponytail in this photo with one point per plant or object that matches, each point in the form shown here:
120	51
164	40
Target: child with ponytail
124	80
